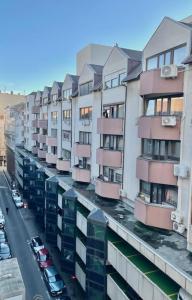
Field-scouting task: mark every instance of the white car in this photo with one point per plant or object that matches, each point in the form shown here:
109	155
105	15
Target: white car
2	220
17	199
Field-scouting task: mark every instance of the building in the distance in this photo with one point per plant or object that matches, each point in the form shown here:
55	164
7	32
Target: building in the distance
14	133
106	167
6	99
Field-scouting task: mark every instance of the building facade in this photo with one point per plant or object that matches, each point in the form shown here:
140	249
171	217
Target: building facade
111	148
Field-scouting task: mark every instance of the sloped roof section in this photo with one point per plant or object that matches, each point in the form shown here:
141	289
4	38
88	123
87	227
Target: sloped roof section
97	216
97	68
188	60
134	74
132	54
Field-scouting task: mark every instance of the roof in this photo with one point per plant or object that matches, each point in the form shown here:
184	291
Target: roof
47	88
134	74
97	215
75	93
70	194
33	93
98	86
11	282
188	60
96	68
133	54
74	78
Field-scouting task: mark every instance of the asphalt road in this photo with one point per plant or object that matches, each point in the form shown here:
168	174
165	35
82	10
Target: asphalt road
18	238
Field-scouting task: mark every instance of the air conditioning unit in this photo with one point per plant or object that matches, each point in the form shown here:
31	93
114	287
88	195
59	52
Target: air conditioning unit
180	228
181	171
168	121
176	217
123	193
169	71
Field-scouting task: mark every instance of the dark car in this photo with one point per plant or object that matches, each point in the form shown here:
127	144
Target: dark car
2	236
54	281
4	251
36	244
44	259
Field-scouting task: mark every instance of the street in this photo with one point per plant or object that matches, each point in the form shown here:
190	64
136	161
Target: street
18	238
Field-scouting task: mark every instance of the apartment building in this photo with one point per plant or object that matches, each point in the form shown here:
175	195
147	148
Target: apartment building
14	133
113	189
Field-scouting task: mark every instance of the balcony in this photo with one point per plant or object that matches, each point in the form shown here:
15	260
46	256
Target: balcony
156	171
152	84
152	128
34	149
107	189
35	137
82	150
42	138
63	165
34	123
110	126
51	141
51	158
109	158
152	214
41	154
81	175
43	124
35	109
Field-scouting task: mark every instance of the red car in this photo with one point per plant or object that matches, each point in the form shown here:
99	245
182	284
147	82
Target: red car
44	259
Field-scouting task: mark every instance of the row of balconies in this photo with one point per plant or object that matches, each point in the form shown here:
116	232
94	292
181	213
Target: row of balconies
37	123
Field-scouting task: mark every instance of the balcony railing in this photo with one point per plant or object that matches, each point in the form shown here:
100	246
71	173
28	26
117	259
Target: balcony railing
110	126
82	150
51	141
36	109
80	174
51	158
42	138
63	165
151	127
108	157
156	171
43	124
153	214
42	153
107	189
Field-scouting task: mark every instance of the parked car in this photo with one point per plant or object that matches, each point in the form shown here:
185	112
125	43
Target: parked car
2	236
17	199
5	251
2	220
54	282
36	244
44	259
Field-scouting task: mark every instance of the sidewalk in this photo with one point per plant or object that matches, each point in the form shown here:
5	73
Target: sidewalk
73	288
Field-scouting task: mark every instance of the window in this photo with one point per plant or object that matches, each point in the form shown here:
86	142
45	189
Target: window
85	113
152	63
113	142
85	137
54	150
45	116
54	115
163	106
68	229
172	56
53	132
114	111
161	150
66	154
159	193
68	255
66	135
96	232
66	114
67	93
45	100
54	97
86	88
115	80
111	175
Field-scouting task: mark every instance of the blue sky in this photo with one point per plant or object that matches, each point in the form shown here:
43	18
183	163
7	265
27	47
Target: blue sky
40	38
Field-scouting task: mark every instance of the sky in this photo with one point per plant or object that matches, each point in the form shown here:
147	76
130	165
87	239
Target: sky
39	39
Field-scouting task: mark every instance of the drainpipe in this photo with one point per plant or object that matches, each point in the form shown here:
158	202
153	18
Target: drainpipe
101	117
124	127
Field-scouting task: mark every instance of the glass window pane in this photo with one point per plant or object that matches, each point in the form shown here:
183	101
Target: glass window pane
150	108
145	187
164	106
162	150
171	195
120	111
152	63
158	106
114	82
168	58
161	60
176	106
179	55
